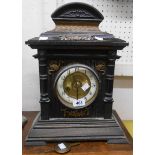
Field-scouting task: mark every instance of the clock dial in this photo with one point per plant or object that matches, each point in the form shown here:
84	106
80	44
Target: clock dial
77	86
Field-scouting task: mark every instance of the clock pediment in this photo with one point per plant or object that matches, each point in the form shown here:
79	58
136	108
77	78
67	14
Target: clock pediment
77	12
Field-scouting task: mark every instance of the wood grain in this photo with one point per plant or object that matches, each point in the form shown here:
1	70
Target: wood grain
92	148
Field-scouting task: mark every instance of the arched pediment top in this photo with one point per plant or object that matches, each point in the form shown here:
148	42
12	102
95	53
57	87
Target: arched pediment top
77	12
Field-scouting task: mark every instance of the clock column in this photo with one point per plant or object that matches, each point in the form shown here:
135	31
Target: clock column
44	99
108	99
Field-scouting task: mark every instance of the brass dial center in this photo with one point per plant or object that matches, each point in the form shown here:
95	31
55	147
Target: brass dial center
77	84
73	84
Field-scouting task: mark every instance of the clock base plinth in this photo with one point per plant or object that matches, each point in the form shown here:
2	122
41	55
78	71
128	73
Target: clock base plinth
78	129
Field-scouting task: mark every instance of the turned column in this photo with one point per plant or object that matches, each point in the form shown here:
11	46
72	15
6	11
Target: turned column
108	99
44	98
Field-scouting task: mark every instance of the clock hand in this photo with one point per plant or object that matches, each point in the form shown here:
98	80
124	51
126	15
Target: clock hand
76	90
77	93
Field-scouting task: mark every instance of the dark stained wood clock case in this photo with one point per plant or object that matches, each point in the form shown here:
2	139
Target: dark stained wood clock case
76	40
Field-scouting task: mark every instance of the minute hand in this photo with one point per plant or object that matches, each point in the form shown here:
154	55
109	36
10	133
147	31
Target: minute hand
77	93
76	90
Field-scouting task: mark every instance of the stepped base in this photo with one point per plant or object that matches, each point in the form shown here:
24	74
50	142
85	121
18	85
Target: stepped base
79	129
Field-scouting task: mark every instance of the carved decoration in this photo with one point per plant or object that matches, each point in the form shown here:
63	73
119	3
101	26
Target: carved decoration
75	113
53	66
76	14
76	37
100	67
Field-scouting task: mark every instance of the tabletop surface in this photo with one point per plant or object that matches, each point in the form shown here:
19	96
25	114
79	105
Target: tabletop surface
93	148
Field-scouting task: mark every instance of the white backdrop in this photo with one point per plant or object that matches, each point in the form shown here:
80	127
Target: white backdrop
118	16
36	19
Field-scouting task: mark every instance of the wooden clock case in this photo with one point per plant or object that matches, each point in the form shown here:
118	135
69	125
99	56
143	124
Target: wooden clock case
76	40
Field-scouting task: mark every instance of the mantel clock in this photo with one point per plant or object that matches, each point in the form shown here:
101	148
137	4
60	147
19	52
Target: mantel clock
76	70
